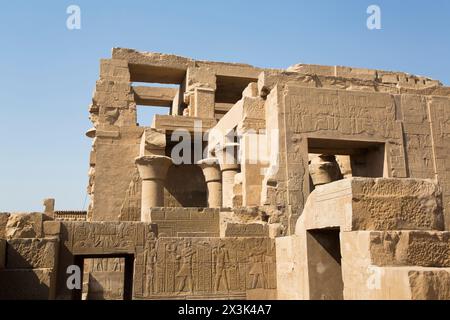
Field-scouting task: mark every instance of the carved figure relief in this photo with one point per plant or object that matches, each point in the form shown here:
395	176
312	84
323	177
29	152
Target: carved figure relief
220	260
131	206
205	266
184	275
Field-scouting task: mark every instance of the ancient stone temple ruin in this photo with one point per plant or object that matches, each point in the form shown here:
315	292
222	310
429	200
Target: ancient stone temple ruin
314	182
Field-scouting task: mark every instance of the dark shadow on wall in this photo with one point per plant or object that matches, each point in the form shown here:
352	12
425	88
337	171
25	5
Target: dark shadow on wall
185	187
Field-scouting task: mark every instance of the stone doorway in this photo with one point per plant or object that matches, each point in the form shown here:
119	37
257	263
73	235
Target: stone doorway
324	264
126	262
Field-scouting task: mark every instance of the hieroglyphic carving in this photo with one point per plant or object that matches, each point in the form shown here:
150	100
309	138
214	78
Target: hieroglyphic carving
246	230
417	133
342	112
186	222
150	264
106	237
257	269
209	267
131	206
440	127
332	114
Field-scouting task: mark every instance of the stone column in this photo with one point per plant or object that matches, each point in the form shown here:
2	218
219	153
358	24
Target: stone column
213	178
153	171
228	159
324	169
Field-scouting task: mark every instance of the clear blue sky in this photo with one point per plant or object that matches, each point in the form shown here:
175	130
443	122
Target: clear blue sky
47	73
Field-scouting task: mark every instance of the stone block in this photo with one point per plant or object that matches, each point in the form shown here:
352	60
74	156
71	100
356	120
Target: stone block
401	248
356	73
328	71
24	225
114	69
430	284
204	213
177	214
375	204
292	274
200	77
387	77
193	222
397	283
32	253
204	103
27	284
156	214
392	269
246	230
51	228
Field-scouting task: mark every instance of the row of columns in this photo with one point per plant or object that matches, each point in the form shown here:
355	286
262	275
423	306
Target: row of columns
219	173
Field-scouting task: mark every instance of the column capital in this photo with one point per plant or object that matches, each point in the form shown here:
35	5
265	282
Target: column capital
153	167
211	169
227	154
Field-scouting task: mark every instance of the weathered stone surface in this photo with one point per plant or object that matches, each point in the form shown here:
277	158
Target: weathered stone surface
185	222
52	228
32	253
356	73
106	237
398	283
246	230
414	204
421	248
24	225
430	284
375	204
396	248
113	174
397	277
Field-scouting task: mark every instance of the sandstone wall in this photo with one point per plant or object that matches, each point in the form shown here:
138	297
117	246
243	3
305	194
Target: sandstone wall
406	128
